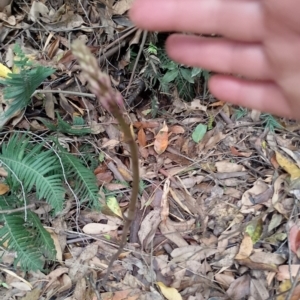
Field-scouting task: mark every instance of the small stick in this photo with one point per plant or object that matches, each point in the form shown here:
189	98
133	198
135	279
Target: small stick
10	211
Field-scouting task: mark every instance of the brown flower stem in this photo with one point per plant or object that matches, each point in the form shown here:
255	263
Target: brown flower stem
114	109
111	100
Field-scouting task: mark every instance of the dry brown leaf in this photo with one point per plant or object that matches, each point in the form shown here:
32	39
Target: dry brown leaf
130	294
258	289
10	20
149	124
164	201
177	129
125	172
161	140
80	289
274	162
246	247
227	166
37	10
279	186
148	227
64	103
98	228
191	253
196	105
236	152
142	138
22	286
224	279
104	178
54	275
172	233
100	169
110	144
294	240
88	253
213	141
227	258
53	48
255	115
49	105
58	249
33	295
134	41
177	199
257	266
4	3
258	188
3	172
66	283
284	272
267	258
240	288
217	103
4	188
122	6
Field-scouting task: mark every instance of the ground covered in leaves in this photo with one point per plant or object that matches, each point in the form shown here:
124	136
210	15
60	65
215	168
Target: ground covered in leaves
217	214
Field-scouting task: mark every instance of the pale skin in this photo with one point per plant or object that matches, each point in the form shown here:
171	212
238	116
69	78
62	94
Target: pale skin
258	57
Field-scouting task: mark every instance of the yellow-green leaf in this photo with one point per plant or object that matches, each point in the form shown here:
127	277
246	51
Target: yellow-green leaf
4	71
288	166
254	229
113	205
169	292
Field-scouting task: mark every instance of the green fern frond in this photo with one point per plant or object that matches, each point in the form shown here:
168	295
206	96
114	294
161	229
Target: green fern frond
270	122
85	181
154	106
19	239
240	113
142	186
211	119
20	87
78	127
42	238
35	168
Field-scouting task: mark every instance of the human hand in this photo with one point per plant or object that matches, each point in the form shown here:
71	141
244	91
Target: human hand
260	47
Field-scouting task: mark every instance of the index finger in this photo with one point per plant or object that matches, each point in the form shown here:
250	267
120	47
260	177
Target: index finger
235	19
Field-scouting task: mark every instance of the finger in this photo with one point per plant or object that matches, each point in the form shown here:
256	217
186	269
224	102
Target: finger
235	19
220	55
262	96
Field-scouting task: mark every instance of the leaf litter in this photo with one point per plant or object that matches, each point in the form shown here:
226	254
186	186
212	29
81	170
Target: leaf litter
218	206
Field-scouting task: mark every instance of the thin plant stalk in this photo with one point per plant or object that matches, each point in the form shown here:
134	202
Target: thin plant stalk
111	100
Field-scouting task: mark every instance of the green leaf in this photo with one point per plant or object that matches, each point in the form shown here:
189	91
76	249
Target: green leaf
199	133
101	157
187	75
170	76
205	74
196	72
170	65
